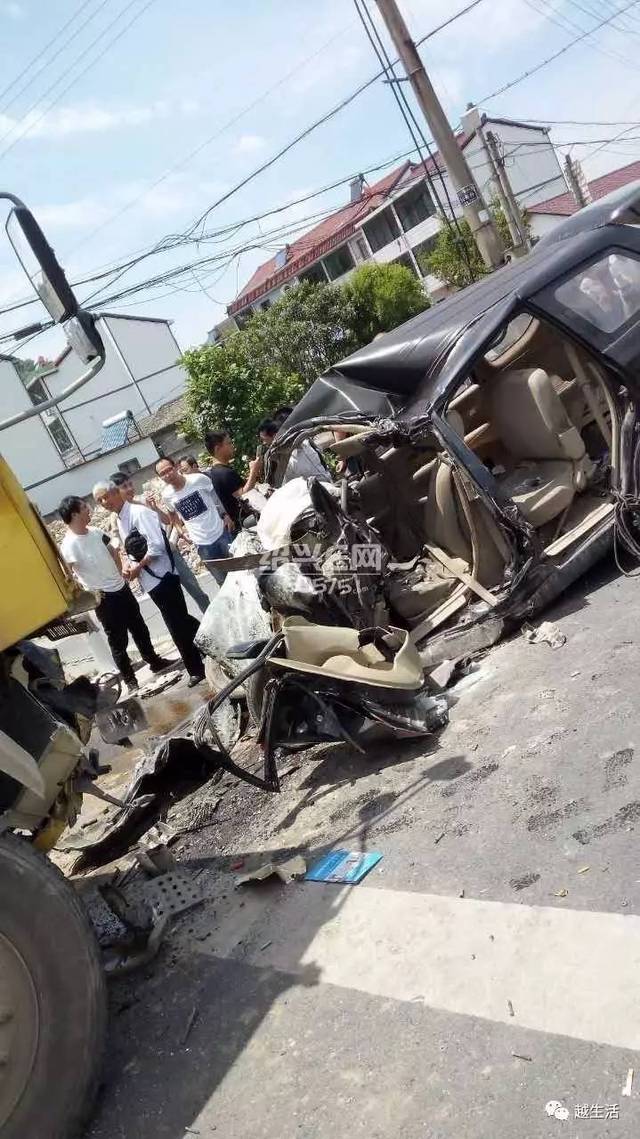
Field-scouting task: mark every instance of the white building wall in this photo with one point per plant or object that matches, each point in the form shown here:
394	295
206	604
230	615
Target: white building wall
140	373
533	163
542	224
107	394
81	479
152	355
27	447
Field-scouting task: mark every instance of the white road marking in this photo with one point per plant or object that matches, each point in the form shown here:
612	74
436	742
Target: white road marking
564	971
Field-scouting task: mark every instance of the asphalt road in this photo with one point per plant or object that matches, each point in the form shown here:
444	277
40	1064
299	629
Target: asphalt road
486	968
76	654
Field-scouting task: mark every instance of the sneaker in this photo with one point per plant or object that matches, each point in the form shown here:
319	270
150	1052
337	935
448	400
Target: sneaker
130	688
161	664
193	680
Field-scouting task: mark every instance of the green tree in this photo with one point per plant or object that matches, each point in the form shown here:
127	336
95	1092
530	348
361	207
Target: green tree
455	258
279	353
309	328
228	389
382	297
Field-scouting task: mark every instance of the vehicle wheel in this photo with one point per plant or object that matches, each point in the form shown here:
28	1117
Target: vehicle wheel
217	677
52	1000
254	688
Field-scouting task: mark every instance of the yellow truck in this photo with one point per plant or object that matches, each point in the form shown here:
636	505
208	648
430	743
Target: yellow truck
52	992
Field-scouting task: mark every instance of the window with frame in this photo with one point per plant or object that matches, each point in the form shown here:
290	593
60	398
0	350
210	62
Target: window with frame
422	253
414	207
605	293
315	274
60	435
37	392
407	263
339	262
381	230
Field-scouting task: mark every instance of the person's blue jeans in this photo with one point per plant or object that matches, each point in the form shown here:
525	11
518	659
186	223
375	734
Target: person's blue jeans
213	551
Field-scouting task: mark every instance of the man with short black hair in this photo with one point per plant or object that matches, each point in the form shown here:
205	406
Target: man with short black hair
189	465
227	483
91	556
155	571
192	499
184	572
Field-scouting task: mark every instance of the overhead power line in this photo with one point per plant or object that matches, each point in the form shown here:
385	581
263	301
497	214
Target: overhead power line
26	70
50	59
556	55
560	20
90	65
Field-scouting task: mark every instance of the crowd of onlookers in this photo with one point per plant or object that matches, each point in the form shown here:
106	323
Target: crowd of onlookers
201	507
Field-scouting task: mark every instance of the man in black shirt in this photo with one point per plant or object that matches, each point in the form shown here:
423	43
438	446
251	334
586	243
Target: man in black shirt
226	481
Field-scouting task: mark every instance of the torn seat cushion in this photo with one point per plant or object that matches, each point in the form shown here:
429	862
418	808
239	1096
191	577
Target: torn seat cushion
541	490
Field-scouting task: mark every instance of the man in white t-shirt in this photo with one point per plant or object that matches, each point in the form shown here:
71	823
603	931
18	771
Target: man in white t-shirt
194	502
91	555
153	567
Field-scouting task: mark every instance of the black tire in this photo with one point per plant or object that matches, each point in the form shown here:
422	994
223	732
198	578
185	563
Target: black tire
52	1000
254	688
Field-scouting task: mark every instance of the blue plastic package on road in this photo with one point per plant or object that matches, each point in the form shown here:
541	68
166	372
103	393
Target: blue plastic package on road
348	866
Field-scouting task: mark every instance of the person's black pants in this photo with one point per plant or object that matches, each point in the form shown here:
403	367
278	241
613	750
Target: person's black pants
119	614
169	598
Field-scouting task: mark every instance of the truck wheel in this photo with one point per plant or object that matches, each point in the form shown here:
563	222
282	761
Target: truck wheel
254	688
52	1000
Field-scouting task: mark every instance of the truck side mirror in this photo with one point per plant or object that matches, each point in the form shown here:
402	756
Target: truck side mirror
50	283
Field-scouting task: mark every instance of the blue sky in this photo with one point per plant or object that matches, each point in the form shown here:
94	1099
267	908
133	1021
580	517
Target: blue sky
182	73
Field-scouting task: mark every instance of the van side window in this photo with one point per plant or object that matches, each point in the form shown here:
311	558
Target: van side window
605	293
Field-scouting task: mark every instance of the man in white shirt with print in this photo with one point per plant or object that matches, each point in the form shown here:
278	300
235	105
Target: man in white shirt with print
91	556
194	501
155	571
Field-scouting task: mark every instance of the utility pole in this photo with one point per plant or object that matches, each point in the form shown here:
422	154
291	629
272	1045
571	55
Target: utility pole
574	182
482	227
511	218
512	210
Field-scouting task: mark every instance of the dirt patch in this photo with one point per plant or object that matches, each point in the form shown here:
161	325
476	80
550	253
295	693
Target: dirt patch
614	768
476	775
524	881
545	794
628	814
547	820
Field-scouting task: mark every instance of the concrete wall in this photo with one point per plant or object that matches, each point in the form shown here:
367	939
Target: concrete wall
152	355
542	224
27	447
80	480
140	373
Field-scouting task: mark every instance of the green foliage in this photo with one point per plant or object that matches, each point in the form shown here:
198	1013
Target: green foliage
455	258
279	353
227	389
382	297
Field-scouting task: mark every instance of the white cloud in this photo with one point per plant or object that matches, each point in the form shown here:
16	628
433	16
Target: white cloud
249	144
88	119
12	9
175	194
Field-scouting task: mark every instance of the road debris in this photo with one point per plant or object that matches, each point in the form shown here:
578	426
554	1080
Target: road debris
348	866
265	946
545	634
189	1025
583	869
286	871
511	1009
520	1056
628	1083
560	893
439	838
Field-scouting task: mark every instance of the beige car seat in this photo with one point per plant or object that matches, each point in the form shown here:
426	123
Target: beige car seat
325	650
550	460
